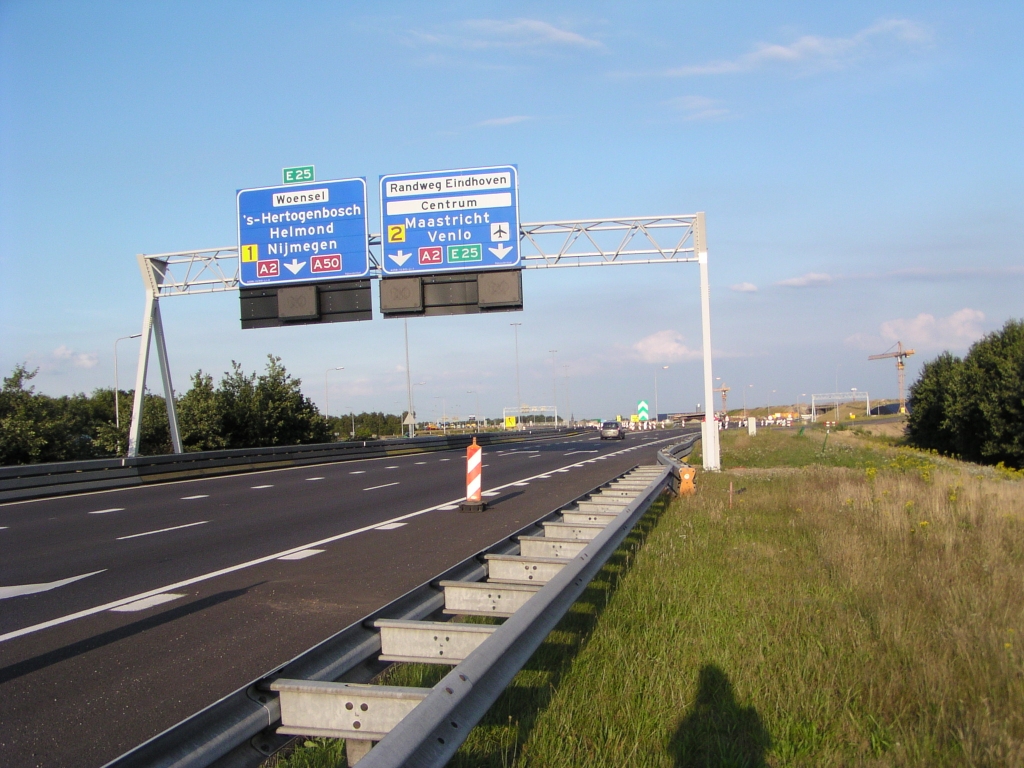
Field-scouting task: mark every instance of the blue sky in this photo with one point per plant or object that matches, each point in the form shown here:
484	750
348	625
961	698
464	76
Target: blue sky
860	165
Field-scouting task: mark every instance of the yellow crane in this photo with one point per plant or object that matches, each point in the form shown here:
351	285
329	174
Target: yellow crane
724	390
901	354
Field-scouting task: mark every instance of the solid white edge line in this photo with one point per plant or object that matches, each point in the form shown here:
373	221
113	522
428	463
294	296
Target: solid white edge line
241	566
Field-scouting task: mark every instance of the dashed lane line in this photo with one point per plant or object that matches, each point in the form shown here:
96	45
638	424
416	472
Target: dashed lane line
375	487
162	530
197	496
105	511
448	505
302	554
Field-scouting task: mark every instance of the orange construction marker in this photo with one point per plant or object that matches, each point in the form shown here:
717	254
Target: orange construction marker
474	482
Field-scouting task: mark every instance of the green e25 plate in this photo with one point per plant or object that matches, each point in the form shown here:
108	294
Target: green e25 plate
460	254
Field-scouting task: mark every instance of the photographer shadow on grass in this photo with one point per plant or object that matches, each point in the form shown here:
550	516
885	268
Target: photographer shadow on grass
718	732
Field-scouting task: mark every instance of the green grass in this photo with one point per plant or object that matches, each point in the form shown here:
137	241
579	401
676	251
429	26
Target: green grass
863	612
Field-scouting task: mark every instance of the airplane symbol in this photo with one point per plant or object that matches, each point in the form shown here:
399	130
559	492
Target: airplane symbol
295	266
499	231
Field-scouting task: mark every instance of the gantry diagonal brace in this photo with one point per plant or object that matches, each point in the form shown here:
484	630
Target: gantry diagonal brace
543	245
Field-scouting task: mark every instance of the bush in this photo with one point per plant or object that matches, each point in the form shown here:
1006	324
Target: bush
974	408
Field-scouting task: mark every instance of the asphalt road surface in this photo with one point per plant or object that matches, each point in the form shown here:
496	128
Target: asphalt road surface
124	612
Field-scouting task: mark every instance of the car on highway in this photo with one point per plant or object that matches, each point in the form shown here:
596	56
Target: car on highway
613	430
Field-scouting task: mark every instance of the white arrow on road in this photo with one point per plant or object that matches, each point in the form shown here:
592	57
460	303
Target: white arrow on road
399	258
33	589
295	266
501	251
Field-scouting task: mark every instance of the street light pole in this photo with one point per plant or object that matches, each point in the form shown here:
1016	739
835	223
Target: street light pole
327	396
519	396
117	410
568	404
664	368
408	379
554	383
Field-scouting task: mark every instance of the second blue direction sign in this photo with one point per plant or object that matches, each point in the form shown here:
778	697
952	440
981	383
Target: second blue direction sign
301	233
444	221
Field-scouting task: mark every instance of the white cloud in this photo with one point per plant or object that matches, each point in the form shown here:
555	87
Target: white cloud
692	108
523	33
925	332
664	347
64	356
744	288
815	51
498	121
805	281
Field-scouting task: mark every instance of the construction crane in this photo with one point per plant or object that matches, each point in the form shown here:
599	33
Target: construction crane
900	354
724	390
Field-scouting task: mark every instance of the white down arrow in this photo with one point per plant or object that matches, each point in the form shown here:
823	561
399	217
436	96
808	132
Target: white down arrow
295	266
399	258
501	251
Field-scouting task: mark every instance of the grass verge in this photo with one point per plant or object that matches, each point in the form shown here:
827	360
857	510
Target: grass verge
858	606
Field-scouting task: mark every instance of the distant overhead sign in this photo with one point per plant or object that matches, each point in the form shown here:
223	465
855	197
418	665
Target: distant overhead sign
444	221
302	233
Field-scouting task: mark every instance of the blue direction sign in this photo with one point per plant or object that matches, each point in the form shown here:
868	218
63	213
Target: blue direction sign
302	233
445	221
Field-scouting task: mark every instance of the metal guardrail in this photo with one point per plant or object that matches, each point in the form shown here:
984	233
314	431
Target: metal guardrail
29	481
239	730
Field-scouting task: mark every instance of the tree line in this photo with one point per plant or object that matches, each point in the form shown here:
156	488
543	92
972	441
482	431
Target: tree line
244	410
973	407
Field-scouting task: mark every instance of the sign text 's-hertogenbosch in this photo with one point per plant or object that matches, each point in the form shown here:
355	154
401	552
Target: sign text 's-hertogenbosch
450	220
298	234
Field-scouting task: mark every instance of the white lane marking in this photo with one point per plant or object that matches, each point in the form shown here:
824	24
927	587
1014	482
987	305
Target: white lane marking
149	486
445	459
448	505
534	457
561	470
162	530
313	478
520	485
390	467
421	462
358	472
543	477
491	493
3	527
104	511
197	496
570	453
375	487
301	554
592	439
390	526
485	465
32	589
260	487
147	602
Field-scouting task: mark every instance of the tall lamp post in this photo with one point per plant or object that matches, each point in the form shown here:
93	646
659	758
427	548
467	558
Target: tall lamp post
117	410
327	396
554	383
519	396
664	368
568	404
408	379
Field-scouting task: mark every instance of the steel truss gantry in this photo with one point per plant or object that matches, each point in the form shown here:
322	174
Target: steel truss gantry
543	245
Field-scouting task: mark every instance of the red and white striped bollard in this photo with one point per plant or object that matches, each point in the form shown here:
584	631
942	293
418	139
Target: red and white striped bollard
474	481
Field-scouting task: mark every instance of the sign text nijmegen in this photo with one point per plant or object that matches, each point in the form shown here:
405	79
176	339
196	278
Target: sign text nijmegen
302	233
